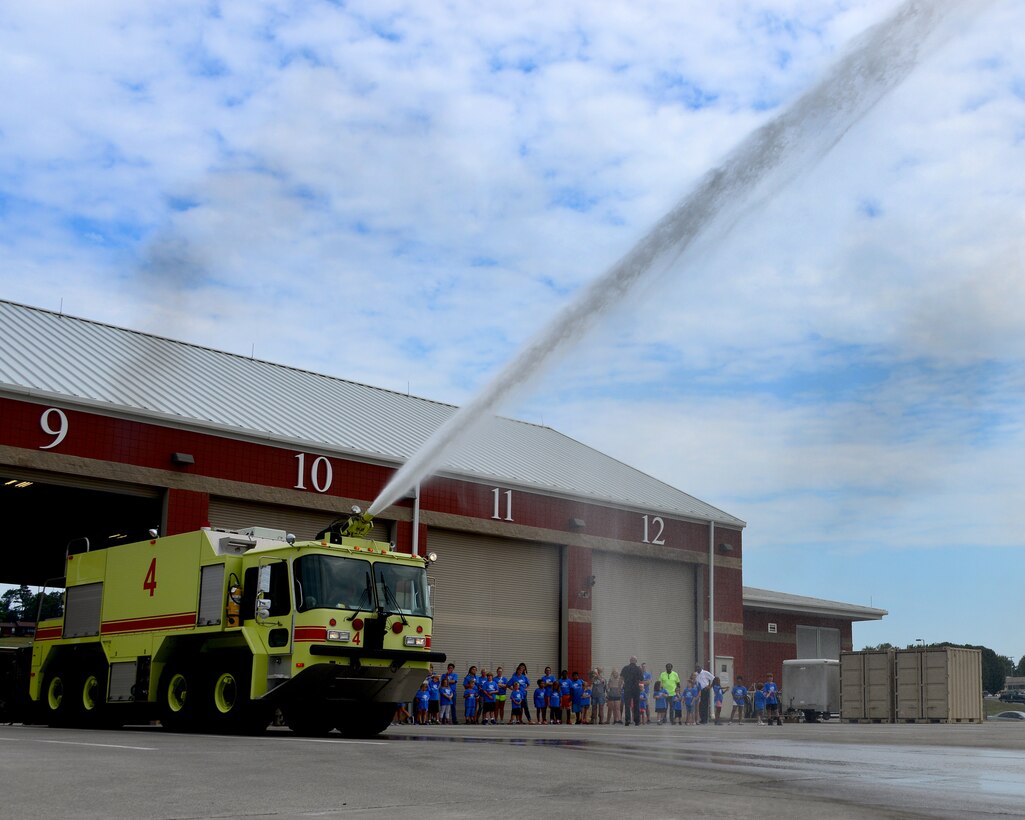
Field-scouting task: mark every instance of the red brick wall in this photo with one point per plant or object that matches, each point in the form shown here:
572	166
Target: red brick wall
764	652
149	445
578	632
187	511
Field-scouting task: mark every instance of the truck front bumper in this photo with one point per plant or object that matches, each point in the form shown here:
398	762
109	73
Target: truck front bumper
357	675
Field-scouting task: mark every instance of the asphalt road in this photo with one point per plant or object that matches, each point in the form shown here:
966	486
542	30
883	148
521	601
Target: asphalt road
794	771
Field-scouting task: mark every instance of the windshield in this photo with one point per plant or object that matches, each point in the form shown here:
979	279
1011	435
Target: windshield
403	589
332	582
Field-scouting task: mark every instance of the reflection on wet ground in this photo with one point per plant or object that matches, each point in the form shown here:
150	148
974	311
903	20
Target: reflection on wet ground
926	769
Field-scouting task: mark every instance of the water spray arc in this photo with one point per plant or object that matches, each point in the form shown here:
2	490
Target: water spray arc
754	171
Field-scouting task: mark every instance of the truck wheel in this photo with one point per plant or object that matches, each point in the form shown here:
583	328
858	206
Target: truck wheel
59	698
92	692
177	698
230	707
367	721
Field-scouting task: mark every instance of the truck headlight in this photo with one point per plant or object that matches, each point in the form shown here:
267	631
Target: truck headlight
415	640
342	635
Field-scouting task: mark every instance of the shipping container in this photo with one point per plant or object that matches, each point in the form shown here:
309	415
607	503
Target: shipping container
812	686
939	684
866	685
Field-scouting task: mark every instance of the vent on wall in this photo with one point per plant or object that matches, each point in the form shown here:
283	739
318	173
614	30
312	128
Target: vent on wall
772	629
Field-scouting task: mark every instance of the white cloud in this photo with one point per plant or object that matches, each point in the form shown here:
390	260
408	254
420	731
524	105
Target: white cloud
403	193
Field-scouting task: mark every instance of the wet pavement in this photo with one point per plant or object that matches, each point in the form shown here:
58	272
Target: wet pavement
793	771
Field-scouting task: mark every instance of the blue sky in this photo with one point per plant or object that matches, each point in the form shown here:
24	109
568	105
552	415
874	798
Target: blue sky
404	193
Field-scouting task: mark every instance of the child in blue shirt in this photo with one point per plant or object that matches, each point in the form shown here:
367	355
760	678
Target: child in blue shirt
541	702
677	716
447	694
760	704
576	690
585	703
642	703
717	693
660	704
691	693
554	702
452	679
423	697
516	698
503	693
565	697
489	694
739	693
434	702
520	676
772	705
470	700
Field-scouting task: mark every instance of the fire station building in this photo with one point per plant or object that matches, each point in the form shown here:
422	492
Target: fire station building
549	552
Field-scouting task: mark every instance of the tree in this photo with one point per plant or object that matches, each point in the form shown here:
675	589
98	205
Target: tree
15	602
21	604
1019	670
995	668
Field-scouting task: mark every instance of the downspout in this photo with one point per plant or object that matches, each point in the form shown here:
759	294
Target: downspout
711	597
415	546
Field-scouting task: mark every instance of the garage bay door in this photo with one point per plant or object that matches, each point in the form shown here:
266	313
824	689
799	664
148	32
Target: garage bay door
496	601
643	607
233	514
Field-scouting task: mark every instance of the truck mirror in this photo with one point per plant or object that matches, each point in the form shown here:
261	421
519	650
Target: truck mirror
263	584
262	608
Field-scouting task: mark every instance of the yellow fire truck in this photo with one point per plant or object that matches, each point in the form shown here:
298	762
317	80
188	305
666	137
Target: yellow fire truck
216	630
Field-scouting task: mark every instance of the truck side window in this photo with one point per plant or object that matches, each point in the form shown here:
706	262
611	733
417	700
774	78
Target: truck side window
248	606
278	591
280	599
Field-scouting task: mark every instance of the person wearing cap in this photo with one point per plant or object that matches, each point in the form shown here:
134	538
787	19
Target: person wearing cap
434	699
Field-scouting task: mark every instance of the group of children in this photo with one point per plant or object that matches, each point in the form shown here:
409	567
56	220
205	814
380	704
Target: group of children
765	699
566	699
682	706
487	695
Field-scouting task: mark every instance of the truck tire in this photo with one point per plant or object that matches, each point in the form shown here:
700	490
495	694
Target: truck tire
229	706
92	695
177	697
58	700
367	720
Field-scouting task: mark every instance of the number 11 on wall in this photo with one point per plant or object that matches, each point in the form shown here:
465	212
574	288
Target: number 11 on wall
497	512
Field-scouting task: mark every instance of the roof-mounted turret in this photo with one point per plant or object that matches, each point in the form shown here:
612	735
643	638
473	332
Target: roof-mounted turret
356	525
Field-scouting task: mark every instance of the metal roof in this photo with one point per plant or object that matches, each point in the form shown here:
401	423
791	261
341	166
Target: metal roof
112	369
765	599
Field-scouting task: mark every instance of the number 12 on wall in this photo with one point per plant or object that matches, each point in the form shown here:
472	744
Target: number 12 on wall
654	530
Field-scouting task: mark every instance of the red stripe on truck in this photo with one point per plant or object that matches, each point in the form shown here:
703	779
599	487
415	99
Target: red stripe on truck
150	623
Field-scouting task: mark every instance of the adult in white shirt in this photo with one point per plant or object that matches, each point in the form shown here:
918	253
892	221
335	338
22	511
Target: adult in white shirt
704	680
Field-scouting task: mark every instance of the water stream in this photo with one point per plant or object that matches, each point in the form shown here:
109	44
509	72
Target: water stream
754	171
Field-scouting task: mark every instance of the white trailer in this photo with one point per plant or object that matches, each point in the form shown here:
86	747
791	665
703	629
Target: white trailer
812	686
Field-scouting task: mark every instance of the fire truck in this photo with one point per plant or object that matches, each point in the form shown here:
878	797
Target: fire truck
223	631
